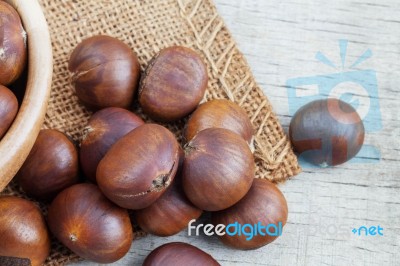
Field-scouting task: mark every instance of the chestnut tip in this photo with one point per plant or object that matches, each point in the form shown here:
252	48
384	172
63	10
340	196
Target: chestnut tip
160	183
85	132
189	148
73	237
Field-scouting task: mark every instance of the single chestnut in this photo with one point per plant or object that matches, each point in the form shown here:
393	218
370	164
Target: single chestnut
105	72
90	225
23	231
220	114
257	219
13	52
8	109
173	84
139	167
51	166
327	132
218	169
179	254
169	214
104	128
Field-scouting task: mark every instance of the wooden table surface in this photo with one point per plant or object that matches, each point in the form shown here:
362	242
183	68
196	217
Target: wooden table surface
280	40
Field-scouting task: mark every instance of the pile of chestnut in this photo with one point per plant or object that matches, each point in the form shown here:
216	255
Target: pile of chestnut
13	57
128	164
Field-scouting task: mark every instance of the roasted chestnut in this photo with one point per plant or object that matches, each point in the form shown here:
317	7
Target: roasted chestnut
105	72
218	169
179	254
104	128
51	166
23	231
327	132
8	109
173	84
93	227
13	52
139	167
256	220
221	114
170	214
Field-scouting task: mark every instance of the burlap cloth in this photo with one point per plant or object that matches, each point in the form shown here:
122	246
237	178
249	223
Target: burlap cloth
148	26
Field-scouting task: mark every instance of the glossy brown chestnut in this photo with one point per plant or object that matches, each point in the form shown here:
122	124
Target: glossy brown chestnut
8	109
104	128
173	84
93	227
12	44
51	166
220	114
264	205
105	72
179	254
218	169
23	230
170	214
327	132
139	167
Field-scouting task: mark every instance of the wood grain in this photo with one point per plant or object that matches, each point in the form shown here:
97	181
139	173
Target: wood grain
18	141
280	40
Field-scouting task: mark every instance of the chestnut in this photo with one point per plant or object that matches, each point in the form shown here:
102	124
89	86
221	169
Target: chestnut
218	169
104	128
264	206
8	109
169	214
221	114
51	166
93	227
13	52
139	167
105	72
327	132
23	231
179	254
173	84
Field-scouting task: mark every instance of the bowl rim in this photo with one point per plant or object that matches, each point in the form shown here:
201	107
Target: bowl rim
20	137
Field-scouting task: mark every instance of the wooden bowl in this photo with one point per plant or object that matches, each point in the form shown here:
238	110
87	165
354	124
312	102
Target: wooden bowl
18	141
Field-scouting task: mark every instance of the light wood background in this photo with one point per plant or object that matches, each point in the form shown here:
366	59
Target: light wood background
280	40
